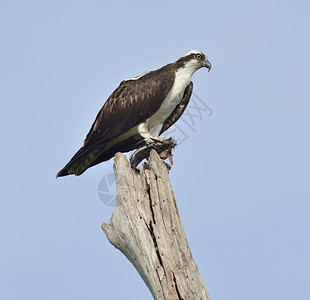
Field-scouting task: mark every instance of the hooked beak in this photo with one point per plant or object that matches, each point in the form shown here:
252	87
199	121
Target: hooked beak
207	64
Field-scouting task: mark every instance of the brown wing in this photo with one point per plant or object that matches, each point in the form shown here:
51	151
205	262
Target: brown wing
133	102
178	111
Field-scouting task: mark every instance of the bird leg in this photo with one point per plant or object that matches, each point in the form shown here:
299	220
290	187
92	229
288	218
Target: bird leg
162	148
144	132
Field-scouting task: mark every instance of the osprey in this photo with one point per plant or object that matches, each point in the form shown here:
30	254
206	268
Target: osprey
138	111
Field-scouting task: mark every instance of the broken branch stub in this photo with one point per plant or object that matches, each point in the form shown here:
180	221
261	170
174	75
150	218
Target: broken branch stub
146	227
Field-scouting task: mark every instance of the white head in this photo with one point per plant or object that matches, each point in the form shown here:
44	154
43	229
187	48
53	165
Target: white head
193	52
194	60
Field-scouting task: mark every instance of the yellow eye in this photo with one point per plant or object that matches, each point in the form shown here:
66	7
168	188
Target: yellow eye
198	56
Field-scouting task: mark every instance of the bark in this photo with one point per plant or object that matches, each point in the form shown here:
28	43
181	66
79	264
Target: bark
146	227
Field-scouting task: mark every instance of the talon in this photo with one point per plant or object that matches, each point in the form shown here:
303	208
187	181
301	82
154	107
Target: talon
153	139
135	168
162	146
167	165
158	139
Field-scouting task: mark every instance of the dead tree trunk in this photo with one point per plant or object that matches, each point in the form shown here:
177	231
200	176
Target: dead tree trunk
146	228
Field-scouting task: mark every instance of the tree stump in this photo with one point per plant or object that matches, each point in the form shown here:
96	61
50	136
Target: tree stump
146	227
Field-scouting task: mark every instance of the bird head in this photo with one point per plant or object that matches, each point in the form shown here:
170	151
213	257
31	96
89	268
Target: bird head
195	60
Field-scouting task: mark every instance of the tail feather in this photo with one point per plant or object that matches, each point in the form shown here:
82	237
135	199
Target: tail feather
97	153
81	161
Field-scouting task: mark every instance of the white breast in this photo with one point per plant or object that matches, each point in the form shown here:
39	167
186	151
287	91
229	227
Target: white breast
174	97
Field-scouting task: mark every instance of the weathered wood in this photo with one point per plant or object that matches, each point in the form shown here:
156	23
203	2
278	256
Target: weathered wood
146	227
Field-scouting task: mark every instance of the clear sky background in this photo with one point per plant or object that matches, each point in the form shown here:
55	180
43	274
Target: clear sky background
241	176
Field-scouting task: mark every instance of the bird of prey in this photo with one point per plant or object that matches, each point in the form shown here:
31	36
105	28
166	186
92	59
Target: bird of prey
138	112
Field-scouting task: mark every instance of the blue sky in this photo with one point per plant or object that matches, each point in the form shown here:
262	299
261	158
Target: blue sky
241	177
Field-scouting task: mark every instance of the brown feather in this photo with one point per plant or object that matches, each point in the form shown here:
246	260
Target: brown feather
133	102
